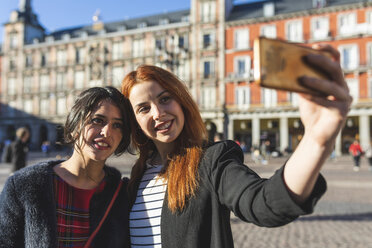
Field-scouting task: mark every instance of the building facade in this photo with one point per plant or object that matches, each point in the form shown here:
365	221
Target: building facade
44	72
209	46
257	114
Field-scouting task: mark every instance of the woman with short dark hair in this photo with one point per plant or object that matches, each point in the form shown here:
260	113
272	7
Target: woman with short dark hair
64	203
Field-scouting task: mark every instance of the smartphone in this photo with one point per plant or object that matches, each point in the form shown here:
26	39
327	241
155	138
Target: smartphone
278	64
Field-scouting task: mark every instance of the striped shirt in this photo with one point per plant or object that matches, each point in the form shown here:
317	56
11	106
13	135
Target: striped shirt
72	210
145	215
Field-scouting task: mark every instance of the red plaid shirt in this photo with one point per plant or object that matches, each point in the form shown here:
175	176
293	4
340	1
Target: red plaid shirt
72	205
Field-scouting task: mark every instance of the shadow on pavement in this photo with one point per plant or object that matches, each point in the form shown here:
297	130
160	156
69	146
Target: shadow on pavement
338	217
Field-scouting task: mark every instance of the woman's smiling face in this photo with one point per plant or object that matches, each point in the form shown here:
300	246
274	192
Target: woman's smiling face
103	133
157	112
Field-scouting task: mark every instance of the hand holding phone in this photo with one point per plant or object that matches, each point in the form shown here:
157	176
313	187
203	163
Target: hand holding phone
279	64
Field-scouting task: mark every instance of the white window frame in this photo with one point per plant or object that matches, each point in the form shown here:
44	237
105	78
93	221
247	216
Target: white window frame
13	40
80	51
61	57
369	54
208	11
44	83
294	30
268	31
45	62
242	97
185	38
241	38
12	86
61	105
28	84
247	67
320	28
142	25
370	87
164	21
28	62
61	81
208	97
44	106
319	3
269	97
212	43
212	68
354	56
347	23
138	47
117	50
269	9
79	80
117	75
369	21
184	70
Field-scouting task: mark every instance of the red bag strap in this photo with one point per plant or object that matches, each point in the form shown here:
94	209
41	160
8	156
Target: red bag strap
91	237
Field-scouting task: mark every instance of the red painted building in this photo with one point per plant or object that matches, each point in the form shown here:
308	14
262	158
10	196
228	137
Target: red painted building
257	114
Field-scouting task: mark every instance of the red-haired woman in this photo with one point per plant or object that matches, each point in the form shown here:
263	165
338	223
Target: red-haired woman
183	188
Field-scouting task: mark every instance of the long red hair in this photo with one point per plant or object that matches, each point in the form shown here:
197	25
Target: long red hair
181	171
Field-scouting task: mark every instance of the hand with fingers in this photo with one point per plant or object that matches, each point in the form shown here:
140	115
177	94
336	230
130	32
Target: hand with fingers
323	116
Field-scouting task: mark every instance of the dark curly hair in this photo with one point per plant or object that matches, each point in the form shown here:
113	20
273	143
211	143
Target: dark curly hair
85	104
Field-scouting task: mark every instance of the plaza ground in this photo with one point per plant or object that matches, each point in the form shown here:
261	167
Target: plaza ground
342	218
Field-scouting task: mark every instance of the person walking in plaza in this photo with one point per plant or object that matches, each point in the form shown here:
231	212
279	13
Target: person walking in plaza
265	152
19	149
356	152
45	148
79	202
183	189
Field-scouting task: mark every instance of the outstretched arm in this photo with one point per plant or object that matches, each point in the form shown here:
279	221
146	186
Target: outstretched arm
323	117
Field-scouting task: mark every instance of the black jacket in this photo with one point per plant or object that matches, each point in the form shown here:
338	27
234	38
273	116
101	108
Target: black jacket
28	210
226	185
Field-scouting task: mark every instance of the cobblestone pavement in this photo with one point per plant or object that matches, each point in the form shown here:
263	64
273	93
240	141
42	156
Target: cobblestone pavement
342	218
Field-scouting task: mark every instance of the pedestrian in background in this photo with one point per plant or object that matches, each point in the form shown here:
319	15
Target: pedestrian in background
19	149
356	152
183	188
265	152
79	202
6	156
45	148
255	154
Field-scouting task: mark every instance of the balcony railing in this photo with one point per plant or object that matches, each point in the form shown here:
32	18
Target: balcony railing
357	29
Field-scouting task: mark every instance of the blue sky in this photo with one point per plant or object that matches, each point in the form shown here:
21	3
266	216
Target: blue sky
57	14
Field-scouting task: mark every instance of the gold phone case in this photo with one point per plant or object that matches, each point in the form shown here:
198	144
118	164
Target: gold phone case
278	64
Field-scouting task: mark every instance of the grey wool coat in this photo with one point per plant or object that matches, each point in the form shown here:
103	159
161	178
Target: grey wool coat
28	210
